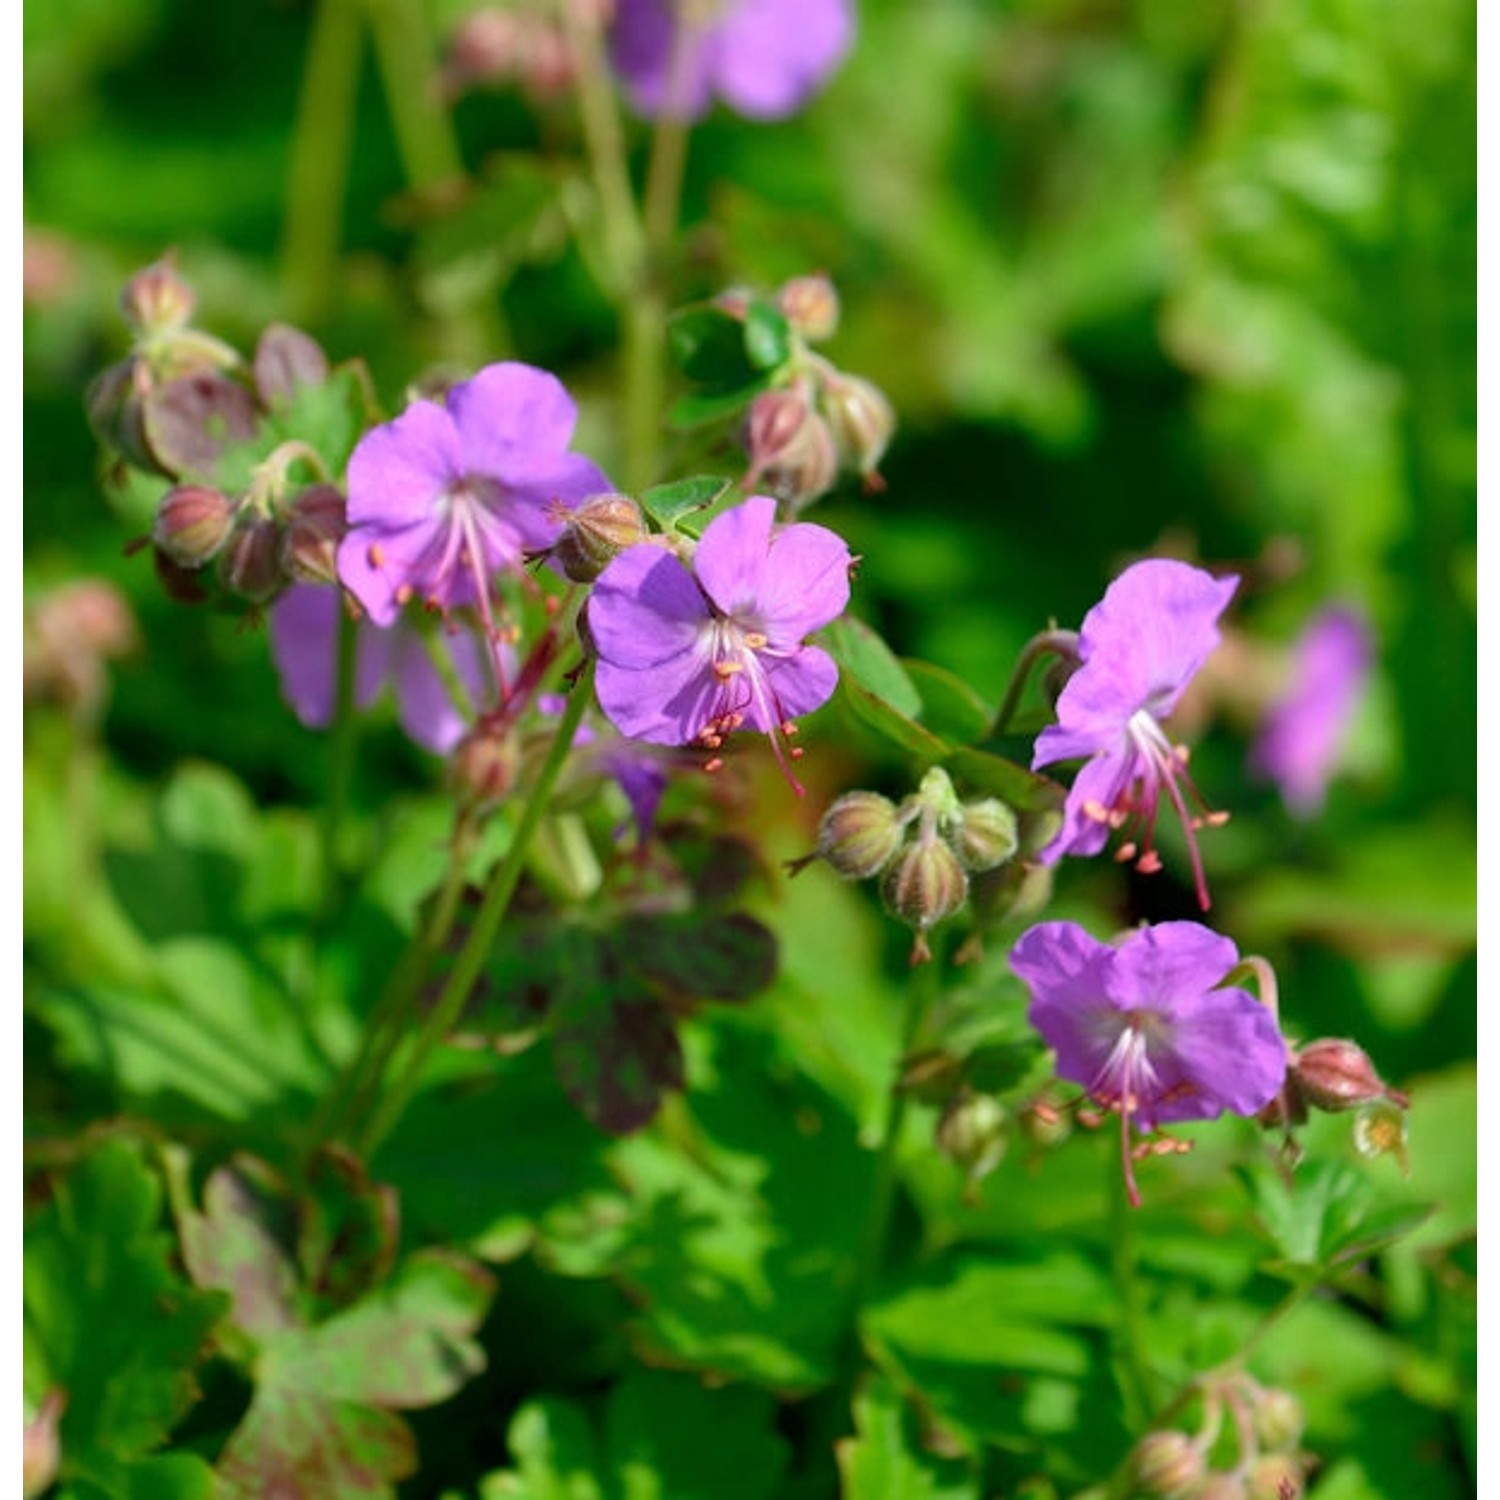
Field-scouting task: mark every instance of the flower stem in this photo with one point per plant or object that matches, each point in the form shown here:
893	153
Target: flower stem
1130	1333
471	957
320	157
1062	643
424	134
924	988
342	743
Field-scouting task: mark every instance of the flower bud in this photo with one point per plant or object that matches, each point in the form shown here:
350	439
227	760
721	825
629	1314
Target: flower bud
924	884
861	420
1221	1487
483	768
41	1449
597	532
973	1131
250	564
860	834
1168	1465
986	834
791	448
116	411
157	299
314	529
1276	1476
192	523
811	305
1336	1075
1278	1420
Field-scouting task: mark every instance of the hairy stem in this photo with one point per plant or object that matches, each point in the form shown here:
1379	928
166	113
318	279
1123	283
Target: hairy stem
481	938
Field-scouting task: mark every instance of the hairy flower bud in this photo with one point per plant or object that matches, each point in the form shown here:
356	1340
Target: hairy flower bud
314	529
483	768
116	411
192	523
250	564
791	448
1336	1075
1221	1487
41	1449
1278	1420
986	834
860	834
1168	1465
924	884
973	1131
861	419
157	299
811	305
597	532
1276	1476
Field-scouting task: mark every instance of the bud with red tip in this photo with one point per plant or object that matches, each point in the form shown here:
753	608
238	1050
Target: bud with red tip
791	448
1168	1465
861	420
1276	1476
157	299
192	523
811	306
1335	1075
595	533
860	834
315	526
250	564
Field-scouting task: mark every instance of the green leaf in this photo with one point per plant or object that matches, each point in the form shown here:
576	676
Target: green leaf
708	345
963	1329
671	1438
885	1461
666	504
768	338
950	707
866	658
616	1056
556	1456
981	771
109	1321
720	956
702	407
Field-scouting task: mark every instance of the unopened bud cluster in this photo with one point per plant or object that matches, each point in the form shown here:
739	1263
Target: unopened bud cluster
1267	1423
817	421
177	406
922	850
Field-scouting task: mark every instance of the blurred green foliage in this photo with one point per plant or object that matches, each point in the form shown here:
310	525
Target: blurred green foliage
1138	276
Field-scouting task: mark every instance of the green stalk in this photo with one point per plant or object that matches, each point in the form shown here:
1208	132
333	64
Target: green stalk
925	986
1130	1333
321	146
470	961
424	134
342	743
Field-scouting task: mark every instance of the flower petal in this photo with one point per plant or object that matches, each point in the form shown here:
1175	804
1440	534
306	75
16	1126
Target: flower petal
510	408
1169	964
1227	1043
424	706
1100	783
770	56
1067	972
1156	625
733	557
304	647
801	682
666	704
641	43
398	470
645	609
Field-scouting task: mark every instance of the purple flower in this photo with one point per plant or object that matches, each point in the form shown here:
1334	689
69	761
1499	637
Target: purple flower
686	657
1138	647
1144	1030
1304	730
446	496
763	58
304	646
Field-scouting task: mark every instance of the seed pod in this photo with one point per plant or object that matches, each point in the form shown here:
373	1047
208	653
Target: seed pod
596	533
1278	1419
1335	1075
924	884
861	419
192	523
860	834
811	305
986	834
251	561
157	299
1168	1465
